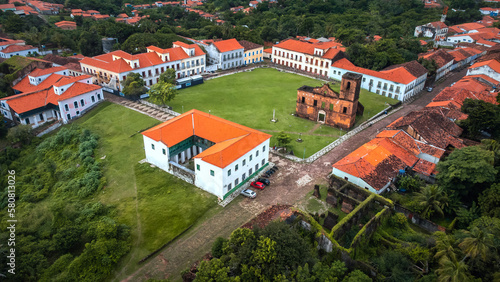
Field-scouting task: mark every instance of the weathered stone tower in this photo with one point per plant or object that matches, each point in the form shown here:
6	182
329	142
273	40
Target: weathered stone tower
324	105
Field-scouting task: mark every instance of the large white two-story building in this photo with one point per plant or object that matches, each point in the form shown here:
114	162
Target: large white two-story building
49	94
111	69
226	155
313	57
225	54
398	82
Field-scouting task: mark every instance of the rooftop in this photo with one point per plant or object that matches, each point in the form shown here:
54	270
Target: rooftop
227	45
247	45
231	140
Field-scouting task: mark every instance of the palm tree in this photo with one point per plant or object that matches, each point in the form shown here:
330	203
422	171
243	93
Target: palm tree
432	198
444	247
477	243
453	271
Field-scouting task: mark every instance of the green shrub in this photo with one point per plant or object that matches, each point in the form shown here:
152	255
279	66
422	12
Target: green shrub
398	220
218	246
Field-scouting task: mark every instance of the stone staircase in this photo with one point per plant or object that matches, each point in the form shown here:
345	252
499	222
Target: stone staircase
148	110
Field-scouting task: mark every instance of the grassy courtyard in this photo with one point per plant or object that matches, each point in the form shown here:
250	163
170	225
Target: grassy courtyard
156	205
249	98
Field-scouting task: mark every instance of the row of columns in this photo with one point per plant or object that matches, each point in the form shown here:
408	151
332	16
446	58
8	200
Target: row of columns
187	154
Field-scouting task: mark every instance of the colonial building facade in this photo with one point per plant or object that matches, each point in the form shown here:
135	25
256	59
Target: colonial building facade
226	155
111	69
48	95
225	54
324	105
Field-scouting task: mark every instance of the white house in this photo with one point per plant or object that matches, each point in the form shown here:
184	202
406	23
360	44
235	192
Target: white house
442	59
226	155
434	30
472	37
311	57
48	95
6	42
112	68
18	50
399	82
226	54
490	68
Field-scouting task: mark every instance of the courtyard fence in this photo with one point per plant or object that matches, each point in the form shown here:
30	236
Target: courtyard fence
166	110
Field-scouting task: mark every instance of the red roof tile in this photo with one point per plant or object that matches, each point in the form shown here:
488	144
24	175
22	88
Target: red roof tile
227	45
232	140
39	72
493	64
17	48
400	74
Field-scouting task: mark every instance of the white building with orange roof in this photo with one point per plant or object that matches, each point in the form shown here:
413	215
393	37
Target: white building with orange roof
225	54
18	50
6	42
307	56
111	69
375	164
226	155
399	82
490	68
50	94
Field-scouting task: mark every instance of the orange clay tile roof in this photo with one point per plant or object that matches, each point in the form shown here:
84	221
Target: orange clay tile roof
376	162
403	139
486	42
71	79
39	72
400	74
493	64
148	59
308	48
25	102
17	48
441	57
25	86
7	41
449	109
424	167
484	77
232	140
459	95
227	45
471	84
197	49
268	50
431	127
7	6
439	25
468	26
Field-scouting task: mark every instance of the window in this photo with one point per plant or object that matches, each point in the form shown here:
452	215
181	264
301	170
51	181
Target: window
41	117
250	158
256	167
68	116
303	100
164	151
263	148
27	121
229	173
257	153
66	107
250	172
379	84
383	93
76	104
315	103
98	96
236	168
378	91
229	186
153	146
198	167
263	161
397	89
92	98
396	96
244	162
82	102
236	181
243	176
344	111
212	173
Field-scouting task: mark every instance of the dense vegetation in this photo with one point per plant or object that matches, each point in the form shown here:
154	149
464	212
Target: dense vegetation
63	233
278	252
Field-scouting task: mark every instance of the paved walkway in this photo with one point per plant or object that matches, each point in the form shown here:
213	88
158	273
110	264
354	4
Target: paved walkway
290	184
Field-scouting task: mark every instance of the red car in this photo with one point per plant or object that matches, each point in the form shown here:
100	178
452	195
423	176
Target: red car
258	185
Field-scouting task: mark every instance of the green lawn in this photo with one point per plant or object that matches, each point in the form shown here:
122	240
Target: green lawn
249	98
167	205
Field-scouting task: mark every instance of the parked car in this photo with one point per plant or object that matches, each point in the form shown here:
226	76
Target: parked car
258	185
265	181
429	89
249	193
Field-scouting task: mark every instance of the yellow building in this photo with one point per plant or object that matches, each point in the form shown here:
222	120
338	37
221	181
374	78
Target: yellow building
253	52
